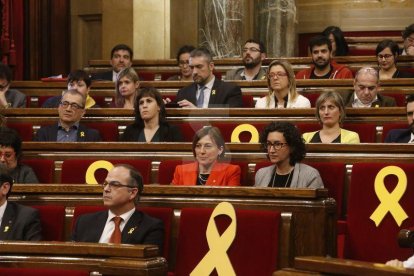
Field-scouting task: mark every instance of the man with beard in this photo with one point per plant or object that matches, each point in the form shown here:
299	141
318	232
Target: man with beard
323	67
253	55
366	88
207	91
404	135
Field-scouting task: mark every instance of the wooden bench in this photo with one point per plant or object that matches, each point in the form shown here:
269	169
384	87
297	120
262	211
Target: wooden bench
103	258
313	215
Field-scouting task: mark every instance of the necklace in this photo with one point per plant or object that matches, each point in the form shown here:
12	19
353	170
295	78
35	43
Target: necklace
287	180
202	178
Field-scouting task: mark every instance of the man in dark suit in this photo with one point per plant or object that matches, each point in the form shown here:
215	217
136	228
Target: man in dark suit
121	58
404	135
68	129
17	222
9	97
366	87
121	190
207	91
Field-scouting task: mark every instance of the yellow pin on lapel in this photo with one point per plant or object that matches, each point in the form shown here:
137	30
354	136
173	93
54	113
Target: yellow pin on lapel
6	229
82	134
130	231
213	92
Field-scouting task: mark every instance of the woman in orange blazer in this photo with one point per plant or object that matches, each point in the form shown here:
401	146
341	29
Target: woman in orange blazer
208	147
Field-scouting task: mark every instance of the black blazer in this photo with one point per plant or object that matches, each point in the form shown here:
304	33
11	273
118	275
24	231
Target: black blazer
166	133
398	136
49	134
102	76
223	94
140	229
20	223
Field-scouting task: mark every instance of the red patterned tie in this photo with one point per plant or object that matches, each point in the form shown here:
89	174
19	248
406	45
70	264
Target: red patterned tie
116	235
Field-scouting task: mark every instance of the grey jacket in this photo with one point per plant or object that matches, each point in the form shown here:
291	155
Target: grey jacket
304	176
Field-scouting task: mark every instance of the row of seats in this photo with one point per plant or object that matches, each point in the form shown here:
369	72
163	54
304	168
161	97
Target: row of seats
262	228
248	100
368	132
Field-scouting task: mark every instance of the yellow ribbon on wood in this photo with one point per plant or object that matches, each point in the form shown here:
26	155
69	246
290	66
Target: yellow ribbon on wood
390	201
90	172
245	127
217	256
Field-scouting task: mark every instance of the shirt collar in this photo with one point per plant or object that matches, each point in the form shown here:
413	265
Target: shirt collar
125	216
74	126
357	102
210	84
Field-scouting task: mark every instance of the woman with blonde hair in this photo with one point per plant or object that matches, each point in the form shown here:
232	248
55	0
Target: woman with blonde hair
127	85
282	88
330	112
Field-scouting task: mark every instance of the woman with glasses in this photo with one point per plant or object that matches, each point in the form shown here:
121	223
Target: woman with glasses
285	149
387	54
183	59
127	85
150	120
330	112
282	88
10	154
208	149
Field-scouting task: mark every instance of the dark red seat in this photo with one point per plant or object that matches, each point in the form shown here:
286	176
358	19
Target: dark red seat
52	218
365	239
188	129
254	250
146	76
248	101
43	168
399	98
164	214
25	130
108	130
74	170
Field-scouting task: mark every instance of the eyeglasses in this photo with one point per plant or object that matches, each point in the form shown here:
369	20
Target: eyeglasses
2	87
275	145
74	106
386	56
115	185
278	74
251	49
6	155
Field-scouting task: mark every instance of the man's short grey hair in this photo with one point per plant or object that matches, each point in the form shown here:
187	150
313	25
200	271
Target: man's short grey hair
368	70
202	52
75	92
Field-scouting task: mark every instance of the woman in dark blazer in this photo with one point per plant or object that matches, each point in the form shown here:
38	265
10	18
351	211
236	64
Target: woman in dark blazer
150	120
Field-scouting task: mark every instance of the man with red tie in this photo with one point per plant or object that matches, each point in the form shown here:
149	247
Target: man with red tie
122	222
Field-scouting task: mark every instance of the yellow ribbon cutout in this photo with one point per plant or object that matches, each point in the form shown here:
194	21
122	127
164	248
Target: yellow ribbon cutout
245	127
90	173
217	257
389	201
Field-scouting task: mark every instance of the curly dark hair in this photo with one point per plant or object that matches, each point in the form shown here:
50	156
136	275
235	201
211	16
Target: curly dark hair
10	138
293	139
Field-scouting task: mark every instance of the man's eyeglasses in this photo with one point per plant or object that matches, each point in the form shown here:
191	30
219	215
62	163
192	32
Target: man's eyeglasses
4	86
386	56
116	185
275	145
6	155
278	74
74	106
251	49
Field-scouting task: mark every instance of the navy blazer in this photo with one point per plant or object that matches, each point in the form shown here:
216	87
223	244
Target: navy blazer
398	136
140	229
21	223
49	134
223	94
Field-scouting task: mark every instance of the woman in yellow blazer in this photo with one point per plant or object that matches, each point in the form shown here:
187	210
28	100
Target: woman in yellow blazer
208	148
330	112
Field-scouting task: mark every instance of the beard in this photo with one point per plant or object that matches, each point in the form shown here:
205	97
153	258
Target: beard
321	64
250	62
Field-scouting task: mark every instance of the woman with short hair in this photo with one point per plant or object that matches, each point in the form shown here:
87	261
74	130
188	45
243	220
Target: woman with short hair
387	52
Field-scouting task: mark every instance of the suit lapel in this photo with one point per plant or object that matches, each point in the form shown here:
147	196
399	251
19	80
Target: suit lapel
214	94
7	222
131	227
98	226
81	133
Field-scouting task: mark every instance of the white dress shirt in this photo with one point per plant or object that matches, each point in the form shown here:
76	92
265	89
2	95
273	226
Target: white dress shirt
110	225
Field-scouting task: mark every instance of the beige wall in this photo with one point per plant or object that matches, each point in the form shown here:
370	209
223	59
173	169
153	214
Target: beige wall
354	15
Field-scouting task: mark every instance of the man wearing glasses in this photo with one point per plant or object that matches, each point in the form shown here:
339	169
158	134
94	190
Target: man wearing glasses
366	87
68	128
253	54
122	222
17	222
9	97
323	66
408	36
